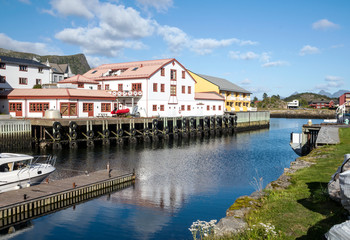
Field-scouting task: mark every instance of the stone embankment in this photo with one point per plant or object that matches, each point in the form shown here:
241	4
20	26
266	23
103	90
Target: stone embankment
304	113
235	222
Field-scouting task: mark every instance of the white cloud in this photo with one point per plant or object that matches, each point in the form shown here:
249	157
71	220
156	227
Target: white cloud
37	48
331	82
159	5
275	64
324	24
80	8
117	27
246	82
337	46
308	50
243	56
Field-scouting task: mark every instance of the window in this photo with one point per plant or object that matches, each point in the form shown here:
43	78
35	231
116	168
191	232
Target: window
60	78
88	107
120	87
173	74
38	107
105	107
162	87
136	87
173	90
99	87
154	108
80	85
162	72
55	78
189	89
3	65
183	74
214	107
23	81
183	89
23	68
208	107
182	107
69	109
107	87
161	107
219	107
188	107
40	70
154	87
38	81
2	79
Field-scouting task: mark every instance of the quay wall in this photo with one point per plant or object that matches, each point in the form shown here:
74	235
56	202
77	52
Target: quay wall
106	130
304	113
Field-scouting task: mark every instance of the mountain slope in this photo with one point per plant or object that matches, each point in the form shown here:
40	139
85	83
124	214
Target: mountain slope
77	62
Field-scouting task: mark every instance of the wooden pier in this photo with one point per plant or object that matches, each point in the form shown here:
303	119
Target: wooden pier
24	204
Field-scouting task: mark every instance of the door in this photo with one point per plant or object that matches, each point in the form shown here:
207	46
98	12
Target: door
90	109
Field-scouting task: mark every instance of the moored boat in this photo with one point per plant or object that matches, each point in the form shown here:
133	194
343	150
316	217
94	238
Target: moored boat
21	170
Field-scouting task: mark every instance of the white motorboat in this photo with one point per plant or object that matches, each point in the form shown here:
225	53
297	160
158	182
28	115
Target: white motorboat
21	170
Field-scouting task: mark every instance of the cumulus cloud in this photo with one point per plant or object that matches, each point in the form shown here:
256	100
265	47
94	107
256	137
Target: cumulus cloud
159	5
80	8
306	50
38	48
324	24
116	27
331	82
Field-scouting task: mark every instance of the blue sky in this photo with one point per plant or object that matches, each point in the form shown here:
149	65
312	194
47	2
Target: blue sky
277	47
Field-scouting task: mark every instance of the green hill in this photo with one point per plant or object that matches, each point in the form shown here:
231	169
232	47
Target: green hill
77	62
305	98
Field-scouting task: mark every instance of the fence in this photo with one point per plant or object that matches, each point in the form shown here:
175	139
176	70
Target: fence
15	134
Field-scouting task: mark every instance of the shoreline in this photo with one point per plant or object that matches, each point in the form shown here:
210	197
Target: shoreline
303	113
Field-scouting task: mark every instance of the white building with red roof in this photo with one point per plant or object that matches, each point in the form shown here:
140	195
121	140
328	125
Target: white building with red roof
71	103
156	87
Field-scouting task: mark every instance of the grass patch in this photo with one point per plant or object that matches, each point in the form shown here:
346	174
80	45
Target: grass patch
304	210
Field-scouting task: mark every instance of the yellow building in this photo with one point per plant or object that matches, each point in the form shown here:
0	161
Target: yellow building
236	98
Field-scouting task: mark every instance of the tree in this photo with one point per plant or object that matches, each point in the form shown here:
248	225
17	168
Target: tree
265	96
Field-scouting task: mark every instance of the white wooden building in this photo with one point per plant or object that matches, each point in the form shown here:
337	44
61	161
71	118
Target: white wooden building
22	73
72	103
152	88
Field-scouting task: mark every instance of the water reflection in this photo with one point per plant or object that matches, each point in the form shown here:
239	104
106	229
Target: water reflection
177	183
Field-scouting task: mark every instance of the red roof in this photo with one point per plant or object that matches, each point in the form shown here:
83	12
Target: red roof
78	79
59	93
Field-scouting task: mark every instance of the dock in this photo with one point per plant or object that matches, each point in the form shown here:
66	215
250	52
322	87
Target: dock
24	204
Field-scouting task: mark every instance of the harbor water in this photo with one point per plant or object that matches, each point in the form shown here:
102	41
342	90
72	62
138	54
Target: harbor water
177	183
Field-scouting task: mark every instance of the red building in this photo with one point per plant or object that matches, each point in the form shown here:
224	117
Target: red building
322	104
344	98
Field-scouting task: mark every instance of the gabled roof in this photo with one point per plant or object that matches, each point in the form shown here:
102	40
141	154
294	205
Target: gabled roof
58	93
129	70
78	79
59	68
223	84
208	96
21	61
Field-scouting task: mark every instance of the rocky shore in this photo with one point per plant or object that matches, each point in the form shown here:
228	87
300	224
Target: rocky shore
234	221
303	113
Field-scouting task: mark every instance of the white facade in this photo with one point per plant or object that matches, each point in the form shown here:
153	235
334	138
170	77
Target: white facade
27	109
22	75
293	104
160	95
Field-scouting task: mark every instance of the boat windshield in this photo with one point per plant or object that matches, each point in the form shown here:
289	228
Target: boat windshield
13	166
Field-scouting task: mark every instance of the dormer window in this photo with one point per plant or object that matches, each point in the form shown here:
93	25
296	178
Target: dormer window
40	70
